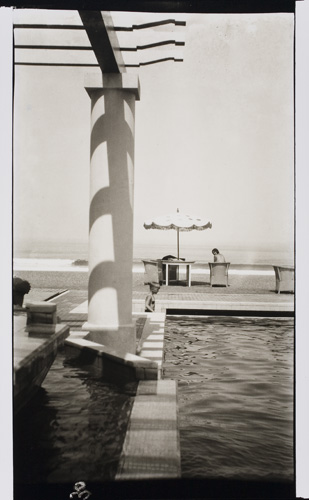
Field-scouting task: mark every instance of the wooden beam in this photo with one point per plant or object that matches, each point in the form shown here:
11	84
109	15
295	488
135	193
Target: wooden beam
103	39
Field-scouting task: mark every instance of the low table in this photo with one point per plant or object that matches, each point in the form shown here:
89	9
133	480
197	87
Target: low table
178	264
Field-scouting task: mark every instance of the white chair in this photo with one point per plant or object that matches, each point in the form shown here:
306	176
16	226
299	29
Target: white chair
284	278
219	273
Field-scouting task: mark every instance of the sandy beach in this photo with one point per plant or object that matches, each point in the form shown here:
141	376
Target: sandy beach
239	282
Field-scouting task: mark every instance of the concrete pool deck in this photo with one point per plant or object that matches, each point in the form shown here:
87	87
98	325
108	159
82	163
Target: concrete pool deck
243	295
185	299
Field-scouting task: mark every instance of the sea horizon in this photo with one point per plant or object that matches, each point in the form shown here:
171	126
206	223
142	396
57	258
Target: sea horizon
75	258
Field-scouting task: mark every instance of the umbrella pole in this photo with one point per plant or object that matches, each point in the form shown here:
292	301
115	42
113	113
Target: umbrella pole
178	244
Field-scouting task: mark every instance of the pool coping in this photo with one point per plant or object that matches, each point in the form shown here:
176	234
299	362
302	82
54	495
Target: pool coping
219	303
33	355
151	448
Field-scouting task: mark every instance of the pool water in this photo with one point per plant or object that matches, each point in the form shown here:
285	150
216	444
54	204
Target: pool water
73	429
235	395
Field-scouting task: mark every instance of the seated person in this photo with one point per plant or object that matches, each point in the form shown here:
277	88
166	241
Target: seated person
218	257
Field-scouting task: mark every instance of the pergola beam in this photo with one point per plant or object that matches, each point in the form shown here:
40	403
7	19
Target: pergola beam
103	39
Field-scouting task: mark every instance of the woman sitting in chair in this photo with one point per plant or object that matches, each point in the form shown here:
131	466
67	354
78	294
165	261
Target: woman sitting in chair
218	257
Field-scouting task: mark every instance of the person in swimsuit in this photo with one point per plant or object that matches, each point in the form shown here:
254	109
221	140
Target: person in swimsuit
218	257
150	300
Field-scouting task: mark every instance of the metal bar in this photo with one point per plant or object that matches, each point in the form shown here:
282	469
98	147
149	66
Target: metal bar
53	47
151	45
150	25
153	62
56	64
95	65
49	26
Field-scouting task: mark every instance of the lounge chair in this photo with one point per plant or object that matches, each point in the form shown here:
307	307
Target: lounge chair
153	271
284	278
219	273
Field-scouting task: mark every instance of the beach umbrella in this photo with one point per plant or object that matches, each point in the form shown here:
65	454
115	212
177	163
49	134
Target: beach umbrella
179	222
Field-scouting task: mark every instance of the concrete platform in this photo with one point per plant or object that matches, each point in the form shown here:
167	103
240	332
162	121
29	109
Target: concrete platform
33	357
218	302
73	305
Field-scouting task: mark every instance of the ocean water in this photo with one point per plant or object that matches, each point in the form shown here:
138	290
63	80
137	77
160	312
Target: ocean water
67	258
66	254
249	256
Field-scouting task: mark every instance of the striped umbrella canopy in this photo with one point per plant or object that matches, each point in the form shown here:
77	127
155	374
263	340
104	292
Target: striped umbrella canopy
179	222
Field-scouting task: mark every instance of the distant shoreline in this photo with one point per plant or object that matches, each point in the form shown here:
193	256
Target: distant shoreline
80	262
81	266
77	258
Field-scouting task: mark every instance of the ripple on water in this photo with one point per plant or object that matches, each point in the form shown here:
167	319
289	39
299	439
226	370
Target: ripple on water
236	404
74	428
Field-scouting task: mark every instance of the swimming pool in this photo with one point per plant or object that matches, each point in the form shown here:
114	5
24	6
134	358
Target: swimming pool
73	429
235	395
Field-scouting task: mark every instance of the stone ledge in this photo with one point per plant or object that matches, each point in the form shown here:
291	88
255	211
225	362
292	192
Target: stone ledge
33	357
151	448
102	350
110	364
219	305
145	365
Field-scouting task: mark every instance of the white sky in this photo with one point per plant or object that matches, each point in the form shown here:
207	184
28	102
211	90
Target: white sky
214	135
302	128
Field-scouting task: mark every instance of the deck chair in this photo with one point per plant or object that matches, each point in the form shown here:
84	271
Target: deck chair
219	273
153	271
284	278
